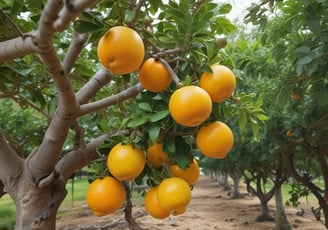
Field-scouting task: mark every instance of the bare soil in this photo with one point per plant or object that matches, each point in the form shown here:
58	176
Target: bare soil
211	208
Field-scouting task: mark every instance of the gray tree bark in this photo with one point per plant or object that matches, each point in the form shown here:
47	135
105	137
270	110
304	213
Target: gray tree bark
37	184
282	222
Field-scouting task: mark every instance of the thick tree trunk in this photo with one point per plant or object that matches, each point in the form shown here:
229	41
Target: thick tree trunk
282	222
265	212
236	192
36	208
223	180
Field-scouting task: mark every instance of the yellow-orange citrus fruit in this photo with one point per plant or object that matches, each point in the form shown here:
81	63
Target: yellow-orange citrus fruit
156	156
121	50
220	84
296	96
289	133
189	174
190	106
173	194
126	162
215	140
154	76
179	211
105	196
152	206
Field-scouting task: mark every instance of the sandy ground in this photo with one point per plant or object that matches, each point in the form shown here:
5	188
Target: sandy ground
210	208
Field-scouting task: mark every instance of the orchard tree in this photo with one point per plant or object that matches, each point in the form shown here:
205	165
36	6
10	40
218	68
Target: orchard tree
298	41
86	68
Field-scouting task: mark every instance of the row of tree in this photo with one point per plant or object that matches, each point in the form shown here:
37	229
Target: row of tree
50	66
284	61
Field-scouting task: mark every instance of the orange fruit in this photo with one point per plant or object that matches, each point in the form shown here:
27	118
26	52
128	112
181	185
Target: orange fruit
220	84
189	174
156	156
121	50
296	96
173	194
152	206
289	133
179	211
126	162
190	106
105	196
154	76
215	140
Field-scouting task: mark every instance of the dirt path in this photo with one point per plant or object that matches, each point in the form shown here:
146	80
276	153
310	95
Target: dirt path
210	208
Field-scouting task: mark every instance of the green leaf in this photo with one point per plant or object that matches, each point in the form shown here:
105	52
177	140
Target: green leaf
255	129
225	8
224	26
262	117
302	51
145	106
137	122
85	26
169	145
242	118
159	116
154	133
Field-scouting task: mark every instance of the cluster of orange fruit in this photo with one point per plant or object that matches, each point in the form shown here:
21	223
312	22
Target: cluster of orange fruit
106	195
125	163
173	194
121	51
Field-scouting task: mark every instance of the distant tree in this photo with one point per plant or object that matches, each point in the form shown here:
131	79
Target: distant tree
49	64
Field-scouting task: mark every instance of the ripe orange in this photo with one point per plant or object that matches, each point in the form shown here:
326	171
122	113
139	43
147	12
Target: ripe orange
296	96
173	194
190	174
121	50
125	162
190	106
215	140
289	133
220	84
154	76
105	196
179	211
156	156
152	206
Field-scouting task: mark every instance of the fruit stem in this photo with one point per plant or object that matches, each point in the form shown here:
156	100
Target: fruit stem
172	73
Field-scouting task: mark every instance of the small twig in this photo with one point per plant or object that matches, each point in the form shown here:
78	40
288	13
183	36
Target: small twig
111	100
20	100
136	12
172	73
164	53
74	50
11	23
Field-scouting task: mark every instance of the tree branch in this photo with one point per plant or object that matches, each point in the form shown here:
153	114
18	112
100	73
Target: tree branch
136	12
77	159
15	48
114	99
71	10
90	89
41	164
45	31
11	163
74	50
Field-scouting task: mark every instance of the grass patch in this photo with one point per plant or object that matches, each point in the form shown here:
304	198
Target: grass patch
7	213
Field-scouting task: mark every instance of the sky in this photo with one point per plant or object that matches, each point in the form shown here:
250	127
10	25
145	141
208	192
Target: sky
238	8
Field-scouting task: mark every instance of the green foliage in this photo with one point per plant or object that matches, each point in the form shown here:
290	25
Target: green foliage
297	191
183	33
23	138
